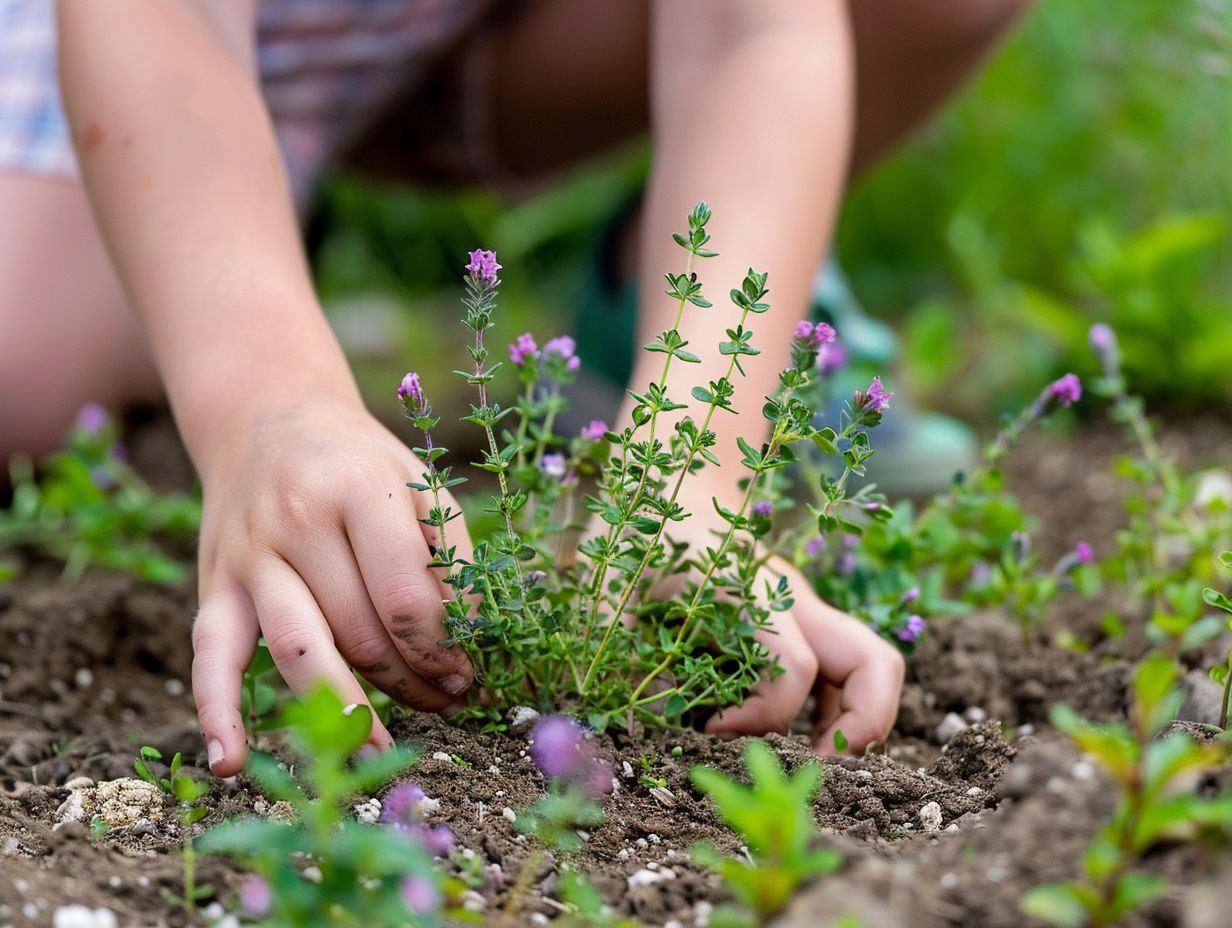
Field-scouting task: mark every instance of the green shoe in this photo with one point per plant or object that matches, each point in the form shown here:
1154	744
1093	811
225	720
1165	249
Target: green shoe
918	452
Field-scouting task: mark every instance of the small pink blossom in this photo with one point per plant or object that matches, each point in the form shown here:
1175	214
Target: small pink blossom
553	465
1083	552
523	348
92	418
595	430
562	345
420	894
255	895
831	358
483	266
763	508
814	546
912	630
876	398
410	388
1066	390
556	746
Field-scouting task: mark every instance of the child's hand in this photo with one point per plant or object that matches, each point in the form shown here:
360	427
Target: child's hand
311	538
856	674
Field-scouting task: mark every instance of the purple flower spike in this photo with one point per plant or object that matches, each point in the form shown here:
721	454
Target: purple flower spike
410	389
763	508
573	365
595	430
1083	552
563	345
804	329
553	465
92	418
255	895
523	349
438	840
420	895
483	266
1066	390
875	399
556	746
831	357
912	630
824	334
911	595
599	779
815	546
402	805
1102	338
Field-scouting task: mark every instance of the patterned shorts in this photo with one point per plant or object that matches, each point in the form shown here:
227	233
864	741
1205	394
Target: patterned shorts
328	68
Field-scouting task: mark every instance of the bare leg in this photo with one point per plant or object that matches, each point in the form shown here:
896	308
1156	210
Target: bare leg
66	335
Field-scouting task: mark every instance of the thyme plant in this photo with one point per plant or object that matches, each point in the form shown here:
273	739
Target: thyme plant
562	622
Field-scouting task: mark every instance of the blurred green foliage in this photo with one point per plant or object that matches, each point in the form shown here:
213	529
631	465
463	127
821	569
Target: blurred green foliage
1084	176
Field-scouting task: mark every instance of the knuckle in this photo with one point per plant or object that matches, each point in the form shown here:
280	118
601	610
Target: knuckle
289	641
369	653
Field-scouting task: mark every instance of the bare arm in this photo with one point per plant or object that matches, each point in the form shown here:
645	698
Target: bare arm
309	535
752	112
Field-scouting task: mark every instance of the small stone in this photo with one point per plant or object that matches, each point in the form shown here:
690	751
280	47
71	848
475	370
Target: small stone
1082	770
79	783
260	806
473	901
509	815
282	811
624	854
949	881
647	877
115	882
930	816
953	826
626	769
664	796
653	839
522	719
441	755
80	916
84	679
312	874
996	874
975	791
174	687
1025	730
863	774
369	812
142	827
951	725
975	714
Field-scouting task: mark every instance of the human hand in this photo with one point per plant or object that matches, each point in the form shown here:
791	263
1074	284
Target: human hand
311	538
857	675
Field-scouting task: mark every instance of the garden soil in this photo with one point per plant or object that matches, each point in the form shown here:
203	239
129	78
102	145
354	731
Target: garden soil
933	834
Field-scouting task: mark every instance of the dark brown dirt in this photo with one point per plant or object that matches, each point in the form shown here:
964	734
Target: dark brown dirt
92	670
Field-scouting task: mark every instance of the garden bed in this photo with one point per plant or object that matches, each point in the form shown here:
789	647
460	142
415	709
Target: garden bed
93	670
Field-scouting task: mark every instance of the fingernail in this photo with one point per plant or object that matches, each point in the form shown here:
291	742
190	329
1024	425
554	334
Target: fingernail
214	753
367	752
455	684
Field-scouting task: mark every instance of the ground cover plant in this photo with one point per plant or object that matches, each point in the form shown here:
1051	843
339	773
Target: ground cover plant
991	802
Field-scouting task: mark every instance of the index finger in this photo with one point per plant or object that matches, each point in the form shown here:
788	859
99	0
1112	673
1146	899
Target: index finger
224	637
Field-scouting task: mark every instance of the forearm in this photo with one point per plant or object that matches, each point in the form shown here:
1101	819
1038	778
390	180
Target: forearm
179	158
758	125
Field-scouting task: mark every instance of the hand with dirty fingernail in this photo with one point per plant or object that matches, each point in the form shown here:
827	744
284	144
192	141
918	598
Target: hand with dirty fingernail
311	538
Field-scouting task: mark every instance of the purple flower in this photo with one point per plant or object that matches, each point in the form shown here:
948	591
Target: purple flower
1083	552
420	895
595	430
255	895
599	779
815	546
437	839
1102	338
1066	390
981	575
831	358
403	805
524	347
562	345
911	595
912	630
556	746
845	564
872	507
91	418
818	334
763	508
410	389
483	266
573	365
875	399
553	465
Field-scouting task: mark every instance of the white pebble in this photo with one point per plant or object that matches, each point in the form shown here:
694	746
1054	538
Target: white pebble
975	791
509	814
114	882
953	826
975	714
80	916
312	874
624	854
441	755
863	774
626	768
650	877
1024	730
493	769
174	687
949	881
996	874
79	783
1082	770
653	839
673	923
84	678
930	816
950	726
368	812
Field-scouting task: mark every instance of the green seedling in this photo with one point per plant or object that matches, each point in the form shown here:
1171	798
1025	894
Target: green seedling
1156	802
1222	673
774	817
360	874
